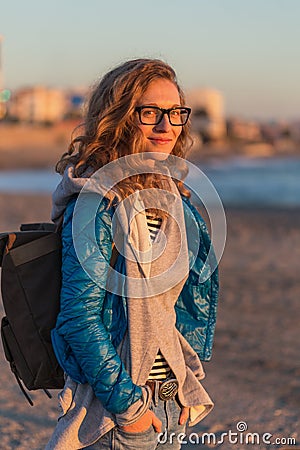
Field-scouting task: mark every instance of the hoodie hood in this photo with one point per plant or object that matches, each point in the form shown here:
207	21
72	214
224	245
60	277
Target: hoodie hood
69	186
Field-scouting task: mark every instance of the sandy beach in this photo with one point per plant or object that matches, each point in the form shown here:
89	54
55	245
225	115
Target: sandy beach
254	375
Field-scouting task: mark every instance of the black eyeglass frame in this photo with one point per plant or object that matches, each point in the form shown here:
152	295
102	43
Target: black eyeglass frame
164	111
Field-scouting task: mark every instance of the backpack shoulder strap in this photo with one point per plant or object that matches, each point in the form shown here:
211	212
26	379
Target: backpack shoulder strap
35	249
3	243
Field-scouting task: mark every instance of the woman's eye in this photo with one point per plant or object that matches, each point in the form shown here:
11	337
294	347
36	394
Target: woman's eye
149	112
175	113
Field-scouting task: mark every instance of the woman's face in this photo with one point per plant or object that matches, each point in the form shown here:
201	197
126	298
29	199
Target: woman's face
161	138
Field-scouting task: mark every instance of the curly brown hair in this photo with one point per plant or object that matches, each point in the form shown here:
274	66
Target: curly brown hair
110	130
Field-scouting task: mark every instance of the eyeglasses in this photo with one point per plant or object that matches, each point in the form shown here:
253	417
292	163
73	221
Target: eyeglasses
152	115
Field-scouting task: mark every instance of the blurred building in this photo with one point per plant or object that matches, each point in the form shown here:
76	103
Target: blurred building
245	130
75	99
295	131
207	117
38	104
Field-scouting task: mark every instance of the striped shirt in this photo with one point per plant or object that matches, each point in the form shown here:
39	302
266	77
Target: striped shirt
160	369
154	224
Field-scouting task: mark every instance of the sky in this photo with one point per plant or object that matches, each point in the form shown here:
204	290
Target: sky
247	49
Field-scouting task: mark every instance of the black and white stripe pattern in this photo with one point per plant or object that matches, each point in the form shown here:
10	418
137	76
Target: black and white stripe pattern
154	224
160	369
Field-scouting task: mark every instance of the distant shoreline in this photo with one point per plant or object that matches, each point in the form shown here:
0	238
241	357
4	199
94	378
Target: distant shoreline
38	147
33	146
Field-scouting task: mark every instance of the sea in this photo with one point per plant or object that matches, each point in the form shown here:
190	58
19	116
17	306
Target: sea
247	182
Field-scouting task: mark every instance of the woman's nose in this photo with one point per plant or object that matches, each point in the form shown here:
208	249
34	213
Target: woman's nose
164	125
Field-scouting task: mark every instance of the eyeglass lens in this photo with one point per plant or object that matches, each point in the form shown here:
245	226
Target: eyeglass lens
152	116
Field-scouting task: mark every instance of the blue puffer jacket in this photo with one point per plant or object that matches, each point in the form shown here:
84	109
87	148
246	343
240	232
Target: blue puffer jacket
92	322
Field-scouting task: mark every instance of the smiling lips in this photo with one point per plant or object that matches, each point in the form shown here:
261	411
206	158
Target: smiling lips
160	141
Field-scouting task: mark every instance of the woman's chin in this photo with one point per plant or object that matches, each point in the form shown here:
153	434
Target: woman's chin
158	156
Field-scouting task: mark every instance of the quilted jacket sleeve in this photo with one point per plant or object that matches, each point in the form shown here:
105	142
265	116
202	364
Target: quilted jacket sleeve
87	343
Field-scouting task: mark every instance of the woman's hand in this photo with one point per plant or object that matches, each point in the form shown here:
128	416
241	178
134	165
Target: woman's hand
184	415
144	423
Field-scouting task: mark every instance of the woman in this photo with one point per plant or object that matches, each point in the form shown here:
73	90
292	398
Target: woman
127	336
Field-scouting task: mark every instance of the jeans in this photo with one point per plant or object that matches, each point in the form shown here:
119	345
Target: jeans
168	412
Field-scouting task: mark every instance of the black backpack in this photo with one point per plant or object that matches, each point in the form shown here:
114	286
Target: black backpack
30	286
